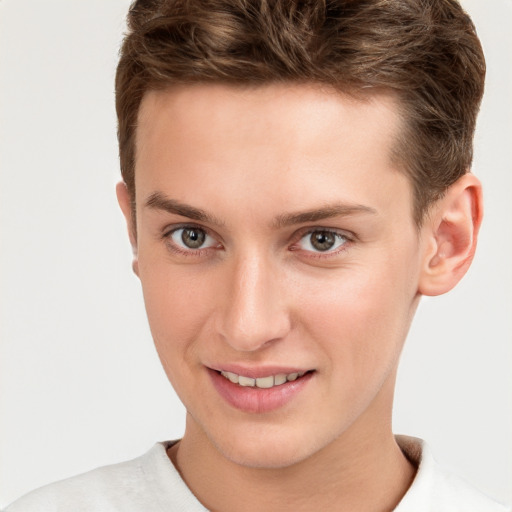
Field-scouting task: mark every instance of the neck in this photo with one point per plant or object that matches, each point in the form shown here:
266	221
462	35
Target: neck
362	470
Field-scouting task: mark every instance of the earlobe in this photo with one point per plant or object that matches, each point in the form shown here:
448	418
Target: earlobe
452	232
124	200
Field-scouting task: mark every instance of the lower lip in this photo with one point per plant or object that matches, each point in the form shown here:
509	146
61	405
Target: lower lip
258	400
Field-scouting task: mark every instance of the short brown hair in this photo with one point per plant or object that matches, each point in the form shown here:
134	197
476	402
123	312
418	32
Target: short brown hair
425	51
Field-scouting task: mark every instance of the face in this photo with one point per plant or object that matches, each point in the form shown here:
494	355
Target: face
279	262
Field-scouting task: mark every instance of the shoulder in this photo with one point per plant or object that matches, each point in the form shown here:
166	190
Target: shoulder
87	491
450	489
149	482
435	489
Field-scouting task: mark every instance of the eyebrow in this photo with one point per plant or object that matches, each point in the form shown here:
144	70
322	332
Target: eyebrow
325	212
159	201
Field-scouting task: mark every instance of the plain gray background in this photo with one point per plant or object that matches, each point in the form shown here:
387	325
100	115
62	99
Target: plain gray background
81	385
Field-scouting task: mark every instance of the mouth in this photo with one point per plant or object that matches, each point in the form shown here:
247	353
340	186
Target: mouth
262	392
268	382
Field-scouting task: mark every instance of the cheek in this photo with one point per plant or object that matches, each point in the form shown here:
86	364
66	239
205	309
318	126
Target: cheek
360	318
176	306
176	318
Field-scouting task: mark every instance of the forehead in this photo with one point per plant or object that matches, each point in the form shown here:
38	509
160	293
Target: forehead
285	141
301	110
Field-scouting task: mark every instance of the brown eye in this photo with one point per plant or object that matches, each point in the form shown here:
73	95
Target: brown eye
322	240
193	238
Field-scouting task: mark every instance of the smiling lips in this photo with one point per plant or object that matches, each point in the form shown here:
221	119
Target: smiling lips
256	394
262	382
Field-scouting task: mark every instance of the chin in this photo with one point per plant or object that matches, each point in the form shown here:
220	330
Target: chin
266	449
264	458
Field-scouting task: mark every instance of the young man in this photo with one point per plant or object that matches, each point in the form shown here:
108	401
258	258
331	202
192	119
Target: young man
296	177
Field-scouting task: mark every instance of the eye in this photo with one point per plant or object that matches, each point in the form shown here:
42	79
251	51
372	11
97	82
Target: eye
322	240
191	238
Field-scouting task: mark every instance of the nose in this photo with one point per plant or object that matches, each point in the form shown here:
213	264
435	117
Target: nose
253	312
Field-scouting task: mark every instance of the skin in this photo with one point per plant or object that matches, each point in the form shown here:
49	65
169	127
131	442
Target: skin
259	294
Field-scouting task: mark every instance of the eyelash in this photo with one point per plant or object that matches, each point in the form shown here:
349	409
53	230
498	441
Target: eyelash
198	253
348	239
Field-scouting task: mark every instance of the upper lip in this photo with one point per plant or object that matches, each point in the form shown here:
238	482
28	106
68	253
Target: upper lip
256	372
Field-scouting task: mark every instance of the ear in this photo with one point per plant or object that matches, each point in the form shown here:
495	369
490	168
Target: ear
451	231
124	200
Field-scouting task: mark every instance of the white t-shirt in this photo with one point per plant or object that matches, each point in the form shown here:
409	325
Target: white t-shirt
151	483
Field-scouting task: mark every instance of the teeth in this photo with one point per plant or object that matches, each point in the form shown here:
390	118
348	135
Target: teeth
246	381
262	382
233	377
265	382
279	379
